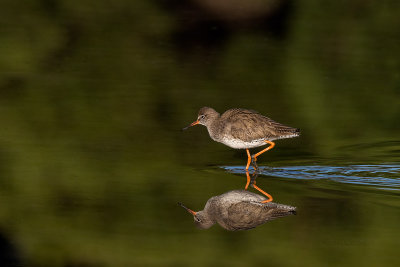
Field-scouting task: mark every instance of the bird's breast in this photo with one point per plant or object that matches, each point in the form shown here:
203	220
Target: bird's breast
240	144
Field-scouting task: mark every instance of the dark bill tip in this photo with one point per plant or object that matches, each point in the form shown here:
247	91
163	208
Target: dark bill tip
192	124
188	210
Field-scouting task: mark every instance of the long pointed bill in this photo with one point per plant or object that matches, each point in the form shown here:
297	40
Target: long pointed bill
192	124
189	210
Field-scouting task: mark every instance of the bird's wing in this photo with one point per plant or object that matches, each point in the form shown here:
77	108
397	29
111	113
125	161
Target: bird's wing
248	214
249	125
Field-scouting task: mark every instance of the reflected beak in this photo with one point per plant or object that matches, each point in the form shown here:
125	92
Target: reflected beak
192	124
189	210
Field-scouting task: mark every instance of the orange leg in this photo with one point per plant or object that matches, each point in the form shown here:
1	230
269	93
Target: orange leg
248	180
248	159
265	193
271	145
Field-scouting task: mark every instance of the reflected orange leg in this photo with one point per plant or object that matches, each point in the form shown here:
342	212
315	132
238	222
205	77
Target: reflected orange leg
271	145
264	193
248	180
248	159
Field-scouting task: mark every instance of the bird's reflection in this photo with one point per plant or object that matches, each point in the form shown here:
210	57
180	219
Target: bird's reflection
239	210
252	182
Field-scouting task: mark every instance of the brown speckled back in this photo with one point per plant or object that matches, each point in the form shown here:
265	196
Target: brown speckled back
249	125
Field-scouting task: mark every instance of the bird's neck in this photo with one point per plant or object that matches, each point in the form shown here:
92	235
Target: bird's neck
213	128
211	210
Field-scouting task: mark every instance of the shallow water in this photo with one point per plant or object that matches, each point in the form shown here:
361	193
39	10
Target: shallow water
383	176
93	161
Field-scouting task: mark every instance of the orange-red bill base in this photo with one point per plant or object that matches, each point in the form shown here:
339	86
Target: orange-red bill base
189	210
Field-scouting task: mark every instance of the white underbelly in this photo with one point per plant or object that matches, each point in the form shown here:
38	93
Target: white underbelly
239	144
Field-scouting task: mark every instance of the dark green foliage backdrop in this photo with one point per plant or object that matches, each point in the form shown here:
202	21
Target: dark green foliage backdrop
93	95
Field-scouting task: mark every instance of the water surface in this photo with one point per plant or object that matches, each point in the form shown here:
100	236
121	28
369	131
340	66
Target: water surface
383	176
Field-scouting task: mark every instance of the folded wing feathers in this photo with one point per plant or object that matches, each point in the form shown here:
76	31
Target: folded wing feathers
250	125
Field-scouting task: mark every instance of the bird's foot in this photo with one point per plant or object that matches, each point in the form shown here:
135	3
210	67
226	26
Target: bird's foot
254	162
253	179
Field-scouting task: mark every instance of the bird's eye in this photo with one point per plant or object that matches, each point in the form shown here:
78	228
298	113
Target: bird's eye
202	117
197	219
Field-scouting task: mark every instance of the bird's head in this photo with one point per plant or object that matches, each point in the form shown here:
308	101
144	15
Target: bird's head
205	117
201	220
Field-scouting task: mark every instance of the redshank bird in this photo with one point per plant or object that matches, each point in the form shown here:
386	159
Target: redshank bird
238	210
243	129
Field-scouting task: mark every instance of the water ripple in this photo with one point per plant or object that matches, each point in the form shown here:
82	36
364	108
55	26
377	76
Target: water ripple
382	176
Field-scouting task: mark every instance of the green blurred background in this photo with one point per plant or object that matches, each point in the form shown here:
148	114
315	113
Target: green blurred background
93	95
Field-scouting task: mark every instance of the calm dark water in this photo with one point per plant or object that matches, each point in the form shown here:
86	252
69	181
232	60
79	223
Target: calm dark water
93	162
